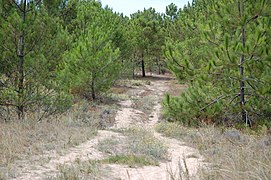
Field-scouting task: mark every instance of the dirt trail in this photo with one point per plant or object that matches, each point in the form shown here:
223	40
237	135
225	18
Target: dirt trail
83	152
126	117
182	159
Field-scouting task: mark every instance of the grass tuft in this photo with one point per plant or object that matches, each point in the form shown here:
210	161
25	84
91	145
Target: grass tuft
80	170
143	142
131	160
21	141
138	148
230	154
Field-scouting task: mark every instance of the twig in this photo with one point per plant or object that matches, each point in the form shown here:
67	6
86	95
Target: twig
14	3
214	101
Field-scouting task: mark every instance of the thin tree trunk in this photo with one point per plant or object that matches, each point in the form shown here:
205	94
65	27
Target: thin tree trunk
93	95
158	64
133	64
143	66
242	82
241	69
21	55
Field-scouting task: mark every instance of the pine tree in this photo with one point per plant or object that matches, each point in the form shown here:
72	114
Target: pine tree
93	63
149	39
226	57
31	47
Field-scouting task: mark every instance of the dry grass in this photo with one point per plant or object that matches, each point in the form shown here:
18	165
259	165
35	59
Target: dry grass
145	104
137	148
131	160
230	154
81	170
182	172
113	146
28	139
20	140
175	87
128	83
143	142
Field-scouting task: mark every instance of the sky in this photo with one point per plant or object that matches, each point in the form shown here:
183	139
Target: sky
128	7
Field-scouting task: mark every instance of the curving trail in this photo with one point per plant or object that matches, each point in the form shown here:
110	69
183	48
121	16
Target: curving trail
183	161
126	117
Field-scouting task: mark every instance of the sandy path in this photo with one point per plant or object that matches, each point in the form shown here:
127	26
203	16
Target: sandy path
181	157
126	117
84	152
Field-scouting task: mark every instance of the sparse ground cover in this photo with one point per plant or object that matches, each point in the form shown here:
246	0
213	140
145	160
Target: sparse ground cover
132	150
135	150
137	147
90	169
31	141
229	153
130	160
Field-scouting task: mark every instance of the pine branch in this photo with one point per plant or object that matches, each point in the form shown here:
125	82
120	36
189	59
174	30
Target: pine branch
236	96
16	5
7	49
215	101
34	44
37	3
212	41
7	104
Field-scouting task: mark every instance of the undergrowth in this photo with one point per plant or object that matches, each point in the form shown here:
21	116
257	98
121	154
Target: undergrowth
131	160
81	170
21	141
138	148
229	153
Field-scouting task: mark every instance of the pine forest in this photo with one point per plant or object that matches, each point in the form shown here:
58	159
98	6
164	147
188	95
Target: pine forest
72	71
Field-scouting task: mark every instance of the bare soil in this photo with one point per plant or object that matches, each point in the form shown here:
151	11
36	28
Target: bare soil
182	159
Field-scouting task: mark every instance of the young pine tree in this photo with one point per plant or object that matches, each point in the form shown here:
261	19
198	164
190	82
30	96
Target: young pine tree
231	73
93	63
31	46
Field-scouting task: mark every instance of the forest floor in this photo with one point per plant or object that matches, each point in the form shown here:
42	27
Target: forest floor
130	148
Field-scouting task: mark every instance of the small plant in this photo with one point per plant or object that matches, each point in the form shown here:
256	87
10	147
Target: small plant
138	148
143	142
145	104
110	146
136	83
174	130
148	82
131	160
181	173
80	170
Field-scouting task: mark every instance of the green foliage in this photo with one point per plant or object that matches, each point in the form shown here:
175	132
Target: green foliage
93	63
148	38
131	160
171	11
206	53
28	74
54	49
143	142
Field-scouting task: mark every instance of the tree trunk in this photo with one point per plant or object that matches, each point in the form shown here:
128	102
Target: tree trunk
93	95
242	82
133	64
21	55
143	66
241	70
159	66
